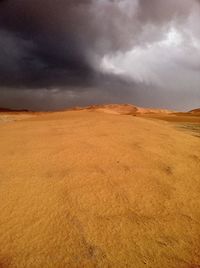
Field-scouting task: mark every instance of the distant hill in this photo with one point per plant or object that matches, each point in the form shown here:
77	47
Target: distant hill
126	109
195	111
114	108
7	110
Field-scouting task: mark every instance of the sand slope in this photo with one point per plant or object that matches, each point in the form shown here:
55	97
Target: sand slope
89	189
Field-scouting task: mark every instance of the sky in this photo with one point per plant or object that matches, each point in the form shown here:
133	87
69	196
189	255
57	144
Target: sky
62	53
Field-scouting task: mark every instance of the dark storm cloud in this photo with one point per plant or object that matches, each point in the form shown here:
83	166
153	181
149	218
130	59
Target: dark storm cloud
54	43
60	45
57	43
47	38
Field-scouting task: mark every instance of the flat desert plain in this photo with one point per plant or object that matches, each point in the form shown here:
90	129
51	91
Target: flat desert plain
96	188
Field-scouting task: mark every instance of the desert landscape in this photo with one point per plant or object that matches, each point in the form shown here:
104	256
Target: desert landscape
101	186
100	134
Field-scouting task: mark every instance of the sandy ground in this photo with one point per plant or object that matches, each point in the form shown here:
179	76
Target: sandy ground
92	189
11	117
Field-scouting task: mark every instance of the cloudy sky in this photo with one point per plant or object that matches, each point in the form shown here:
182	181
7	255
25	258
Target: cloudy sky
61	53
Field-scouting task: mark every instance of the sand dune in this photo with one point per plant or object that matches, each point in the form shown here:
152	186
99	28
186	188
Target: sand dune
196	111
125	109
91	189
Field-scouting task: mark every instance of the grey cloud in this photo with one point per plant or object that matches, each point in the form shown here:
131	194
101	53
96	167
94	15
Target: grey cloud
59	44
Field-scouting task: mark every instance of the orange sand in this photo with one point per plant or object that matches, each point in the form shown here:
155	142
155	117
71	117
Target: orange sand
91	189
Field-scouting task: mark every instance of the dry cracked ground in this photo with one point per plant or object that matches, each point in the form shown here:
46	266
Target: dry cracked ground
93	189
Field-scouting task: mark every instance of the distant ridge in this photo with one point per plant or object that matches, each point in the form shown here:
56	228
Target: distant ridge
114	108
195	111
124	109
7	110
